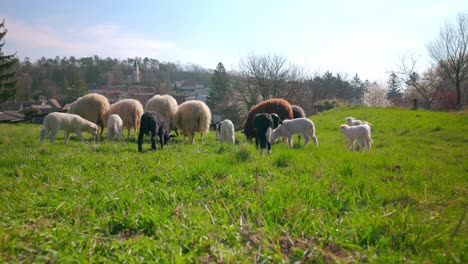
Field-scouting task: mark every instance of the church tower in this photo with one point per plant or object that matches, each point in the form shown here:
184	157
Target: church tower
136	72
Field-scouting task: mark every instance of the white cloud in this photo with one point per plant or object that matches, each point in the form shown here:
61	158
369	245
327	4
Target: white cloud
35	41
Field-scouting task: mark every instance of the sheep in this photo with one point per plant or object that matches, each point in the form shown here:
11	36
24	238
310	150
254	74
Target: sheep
92	107
155	123
130	110
280	107
288	128
166	105
70	123
114	127
298	112
263	124
361	133
193	116
225	130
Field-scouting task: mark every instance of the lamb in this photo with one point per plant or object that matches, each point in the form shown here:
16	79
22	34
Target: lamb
280	107
361	134
155	123
130	110
193	116
263	124
70	123
165	105
298	112
288	128
114	127
225	130
92	107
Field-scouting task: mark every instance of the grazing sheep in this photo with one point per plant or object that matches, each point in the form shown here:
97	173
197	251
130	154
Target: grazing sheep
70	123
92	107
166	105
156	124
288	128
263	124
114	127
280	107
130	110
361	134
193	116
298	112
225	129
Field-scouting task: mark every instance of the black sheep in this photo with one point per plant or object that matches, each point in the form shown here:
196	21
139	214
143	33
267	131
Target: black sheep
156	124
262	123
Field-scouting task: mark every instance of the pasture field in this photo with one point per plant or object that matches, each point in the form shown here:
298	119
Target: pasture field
404	201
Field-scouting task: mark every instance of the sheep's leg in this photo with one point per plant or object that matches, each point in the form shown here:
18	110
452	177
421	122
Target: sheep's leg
52	134
140	140
42	135
153	139
80	136
306	139
314	138
67	136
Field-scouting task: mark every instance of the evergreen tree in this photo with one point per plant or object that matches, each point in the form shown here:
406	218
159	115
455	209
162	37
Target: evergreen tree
393	83
7	70
220	81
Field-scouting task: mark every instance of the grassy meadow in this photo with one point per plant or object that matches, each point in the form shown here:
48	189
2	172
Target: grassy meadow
404	201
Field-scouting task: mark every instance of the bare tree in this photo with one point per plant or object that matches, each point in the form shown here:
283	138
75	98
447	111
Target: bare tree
450	51
268	76
427	86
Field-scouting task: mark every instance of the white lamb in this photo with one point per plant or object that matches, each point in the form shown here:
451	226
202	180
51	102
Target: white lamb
114	127
70	123
361	134
303	126
353	121
226	131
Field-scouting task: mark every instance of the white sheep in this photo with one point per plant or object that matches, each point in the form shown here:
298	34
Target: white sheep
361	134
92	107
70	123
193	116
226	131
353	121
289	127
165	105
114	127
130	110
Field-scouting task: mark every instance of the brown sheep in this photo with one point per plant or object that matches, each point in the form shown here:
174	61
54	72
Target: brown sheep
130	110
92	107
277	106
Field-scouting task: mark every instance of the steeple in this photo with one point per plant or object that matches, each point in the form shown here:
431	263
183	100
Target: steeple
136	72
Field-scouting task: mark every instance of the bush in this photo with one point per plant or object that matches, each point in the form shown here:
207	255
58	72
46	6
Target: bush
327	104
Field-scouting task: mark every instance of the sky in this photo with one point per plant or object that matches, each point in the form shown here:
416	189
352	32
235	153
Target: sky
364	37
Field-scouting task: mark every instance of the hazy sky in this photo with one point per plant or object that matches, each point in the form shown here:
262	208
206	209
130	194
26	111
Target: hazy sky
355	36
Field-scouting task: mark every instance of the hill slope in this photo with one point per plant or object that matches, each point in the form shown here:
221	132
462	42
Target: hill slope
405	200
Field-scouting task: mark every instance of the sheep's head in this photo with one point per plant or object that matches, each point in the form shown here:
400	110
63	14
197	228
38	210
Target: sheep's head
343	128
349	119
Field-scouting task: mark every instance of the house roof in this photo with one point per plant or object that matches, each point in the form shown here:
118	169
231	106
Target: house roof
5	117
55	103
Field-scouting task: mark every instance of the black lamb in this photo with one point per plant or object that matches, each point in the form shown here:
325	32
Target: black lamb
156	124
264	123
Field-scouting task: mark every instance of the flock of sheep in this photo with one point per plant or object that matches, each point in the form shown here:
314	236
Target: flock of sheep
266	122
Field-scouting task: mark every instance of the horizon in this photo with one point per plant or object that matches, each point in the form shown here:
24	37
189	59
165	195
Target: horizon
367	38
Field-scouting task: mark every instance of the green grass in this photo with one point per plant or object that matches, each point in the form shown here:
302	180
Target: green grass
404	201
